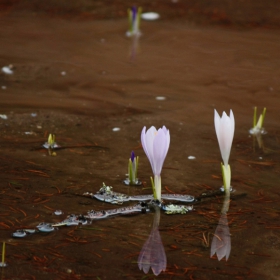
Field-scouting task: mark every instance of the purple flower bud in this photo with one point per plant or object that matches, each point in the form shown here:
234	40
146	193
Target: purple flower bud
132	157
134	13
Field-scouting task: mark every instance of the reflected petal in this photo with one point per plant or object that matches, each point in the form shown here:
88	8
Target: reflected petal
153	254
221	243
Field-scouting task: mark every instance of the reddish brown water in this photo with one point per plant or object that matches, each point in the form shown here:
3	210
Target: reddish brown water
197	69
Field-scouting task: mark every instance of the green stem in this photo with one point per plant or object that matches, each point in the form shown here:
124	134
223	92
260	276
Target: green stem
136	167
153	187
139	11
3	252
130	20
263	115
130	176
255	117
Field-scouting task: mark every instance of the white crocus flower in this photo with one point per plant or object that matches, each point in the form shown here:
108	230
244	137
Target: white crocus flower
156	144
225	130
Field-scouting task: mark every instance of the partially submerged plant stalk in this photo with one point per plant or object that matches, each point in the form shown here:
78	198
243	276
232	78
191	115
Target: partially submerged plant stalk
51	144
224	127
3	264
132	170
134	17
258	126
153	187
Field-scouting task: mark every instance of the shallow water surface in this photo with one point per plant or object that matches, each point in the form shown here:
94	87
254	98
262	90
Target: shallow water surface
81	79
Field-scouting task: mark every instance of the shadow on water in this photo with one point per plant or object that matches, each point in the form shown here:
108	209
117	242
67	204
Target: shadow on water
82	79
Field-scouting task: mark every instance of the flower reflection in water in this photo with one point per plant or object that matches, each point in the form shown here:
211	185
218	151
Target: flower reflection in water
221	243
153	254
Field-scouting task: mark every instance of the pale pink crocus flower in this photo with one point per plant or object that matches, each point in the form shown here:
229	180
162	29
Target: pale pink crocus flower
225	130
156	144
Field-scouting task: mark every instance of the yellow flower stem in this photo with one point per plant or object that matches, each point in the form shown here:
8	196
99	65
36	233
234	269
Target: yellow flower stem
130	20
226	172
263	115
153	187
255	117
136	167
3	252
139	11
130	172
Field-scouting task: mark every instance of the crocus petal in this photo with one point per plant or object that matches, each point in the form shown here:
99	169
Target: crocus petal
153	254
221	243
156	144
224	129
147	140
161	145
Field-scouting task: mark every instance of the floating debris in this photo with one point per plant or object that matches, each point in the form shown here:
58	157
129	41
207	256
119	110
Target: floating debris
150	16
116	129
7	70
191	157
107	194
19	233
72	220
160	98
4	117
44	227
58	212
176	209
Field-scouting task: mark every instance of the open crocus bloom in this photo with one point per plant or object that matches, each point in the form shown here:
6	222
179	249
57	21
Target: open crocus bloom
156	144
225	129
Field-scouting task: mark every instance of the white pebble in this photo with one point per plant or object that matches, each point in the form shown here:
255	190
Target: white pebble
4	117
150	16
7	70
191	157
160	98
116	129
58	212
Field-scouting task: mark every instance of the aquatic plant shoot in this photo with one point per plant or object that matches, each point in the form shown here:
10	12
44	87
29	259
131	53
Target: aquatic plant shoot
156	144
258	126
3	264
224	127
134	18
51	145
132	171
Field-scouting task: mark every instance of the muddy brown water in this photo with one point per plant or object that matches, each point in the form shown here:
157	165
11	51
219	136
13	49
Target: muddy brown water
81	79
